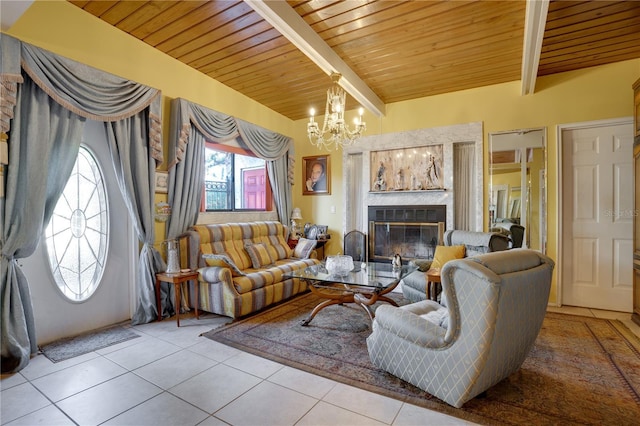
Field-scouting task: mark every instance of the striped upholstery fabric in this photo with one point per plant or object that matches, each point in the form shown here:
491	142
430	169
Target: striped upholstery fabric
496	304
259	255
236	296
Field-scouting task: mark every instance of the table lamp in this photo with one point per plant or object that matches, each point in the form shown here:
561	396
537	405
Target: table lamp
295	217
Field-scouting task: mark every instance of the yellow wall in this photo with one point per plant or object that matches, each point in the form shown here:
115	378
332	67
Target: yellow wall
596	93
592	94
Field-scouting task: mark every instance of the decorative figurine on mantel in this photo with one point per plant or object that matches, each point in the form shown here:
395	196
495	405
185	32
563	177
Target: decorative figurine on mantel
415	184
380	184
433	180
399	180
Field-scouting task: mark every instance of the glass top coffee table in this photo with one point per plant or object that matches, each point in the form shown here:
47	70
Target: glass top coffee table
362	286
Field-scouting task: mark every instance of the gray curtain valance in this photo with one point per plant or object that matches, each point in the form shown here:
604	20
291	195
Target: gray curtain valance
219	127
79	88
10	77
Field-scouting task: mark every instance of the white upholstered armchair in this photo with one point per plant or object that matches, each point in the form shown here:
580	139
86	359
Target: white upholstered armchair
490	315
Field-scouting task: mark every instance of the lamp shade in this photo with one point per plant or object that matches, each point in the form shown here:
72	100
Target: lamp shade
296	214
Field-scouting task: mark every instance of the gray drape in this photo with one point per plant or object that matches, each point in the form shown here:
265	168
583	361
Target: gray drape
45	130
186	179
355	199
464	185
276	149
135	170
186	171
32	191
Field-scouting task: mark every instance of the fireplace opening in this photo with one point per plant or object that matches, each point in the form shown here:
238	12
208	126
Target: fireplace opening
411	231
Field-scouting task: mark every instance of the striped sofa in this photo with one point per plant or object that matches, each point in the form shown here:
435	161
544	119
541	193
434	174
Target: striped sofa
240	288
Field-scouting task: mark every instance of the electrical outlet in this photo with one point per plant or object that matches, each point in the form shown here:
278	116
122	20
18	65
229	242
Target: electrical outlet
333	209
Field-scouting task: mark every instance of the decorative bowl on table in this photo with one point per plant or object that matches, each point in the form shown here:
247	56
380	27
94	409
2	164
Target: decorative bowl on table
339	265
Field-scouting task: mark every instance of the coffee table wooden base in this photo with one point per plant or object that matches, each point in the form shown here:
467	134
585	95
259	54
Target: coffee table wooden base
364	297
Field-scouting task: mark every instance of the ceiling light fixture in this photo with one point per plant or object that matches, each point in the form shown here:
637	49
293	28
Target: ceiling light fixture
335	132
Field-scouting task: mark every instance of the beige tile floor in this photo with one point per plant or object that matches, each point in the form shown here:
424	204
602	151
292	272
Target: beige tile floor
171	376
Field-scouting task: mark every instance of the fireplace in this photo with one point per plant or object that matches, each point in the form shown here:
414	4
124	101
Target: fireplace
411	231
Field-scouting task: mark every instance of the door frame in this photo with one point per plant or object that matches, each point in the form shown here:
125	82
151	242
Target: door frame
560	128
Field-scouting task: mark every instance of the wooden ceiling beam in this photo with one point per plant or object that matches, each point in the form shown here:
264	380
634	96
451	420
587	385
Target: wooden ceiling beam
535	20
287	21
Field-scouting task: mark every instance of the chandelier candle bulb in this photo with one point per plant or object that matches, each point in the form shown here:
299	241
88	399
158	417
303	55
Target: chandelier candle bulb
335	132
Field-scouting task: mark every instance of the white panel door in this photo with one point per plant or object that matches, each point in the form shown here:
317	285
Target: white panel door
597	217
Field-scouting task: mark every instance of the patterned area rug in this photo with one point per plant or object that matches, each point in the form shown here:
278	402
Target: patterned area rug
63	349
581	370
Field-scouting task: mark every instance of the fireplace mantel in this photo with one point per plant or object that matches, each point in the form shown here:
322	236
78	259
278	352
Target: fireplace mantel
356	184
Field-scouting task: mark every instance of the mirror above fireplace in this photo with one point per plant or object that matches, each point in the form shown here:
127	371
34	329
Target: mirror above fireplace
517	185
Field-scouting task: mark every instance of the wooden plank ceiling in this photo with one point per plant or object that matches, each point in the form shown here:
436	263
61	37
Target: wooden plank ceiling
401	50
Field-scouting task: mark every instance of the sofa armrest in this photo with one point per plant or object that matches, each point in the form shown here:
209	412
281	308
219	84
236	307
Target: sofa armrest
190	250
409	326
215	274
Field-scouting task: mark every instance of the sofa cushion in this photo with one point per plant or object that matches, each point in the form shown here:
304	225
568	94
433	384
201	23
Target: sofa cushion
476	242
224	239
444	254
439	317
259	255
224	261
263	277
272	234
304	248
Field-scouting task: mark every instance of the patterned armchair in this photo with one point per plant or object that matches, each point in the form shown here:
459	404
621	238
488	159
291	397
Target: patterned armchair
490	315
415	284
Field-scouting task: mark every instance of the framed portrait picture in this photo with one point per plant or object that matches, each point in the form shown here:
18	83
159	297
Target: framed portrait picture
162	182
316	175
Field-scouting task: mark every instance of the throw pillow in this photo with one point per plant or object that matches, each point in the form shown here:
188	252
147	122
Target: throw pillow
444	254
423	265
222	260
304	248
259	255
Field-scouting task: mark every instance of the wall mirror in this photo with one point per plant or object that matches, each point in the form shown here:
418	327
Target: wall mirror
517	188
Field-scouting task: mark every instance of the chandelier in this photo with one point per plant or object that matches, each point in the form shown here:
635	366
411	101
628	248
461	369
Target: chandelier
335	132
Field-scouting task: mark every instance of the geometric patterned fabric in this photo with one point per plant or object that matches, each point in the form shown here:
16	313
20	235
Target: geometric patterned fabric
496	303
262	256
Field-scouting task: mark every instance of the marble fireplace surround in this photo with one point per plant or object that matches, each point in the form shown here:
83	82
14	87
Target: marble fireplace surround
357	189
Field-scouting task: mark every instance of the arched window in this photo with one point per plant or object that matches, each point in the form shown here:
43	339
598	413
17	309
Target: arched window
77	234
